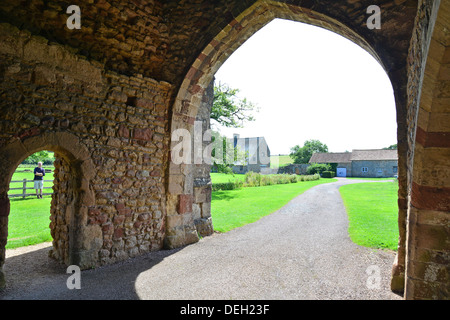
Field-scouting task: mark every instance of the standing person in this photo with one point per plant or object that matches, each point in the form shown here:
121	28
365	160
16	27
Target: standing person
39	174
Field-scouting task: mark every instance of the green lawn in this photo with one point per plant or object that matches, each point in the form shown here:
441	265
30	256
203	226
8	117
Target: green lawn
235	208
372	212
29	218
28	221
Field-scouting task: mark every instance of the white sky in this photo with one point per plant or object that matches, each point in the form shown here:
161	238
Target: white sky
311	83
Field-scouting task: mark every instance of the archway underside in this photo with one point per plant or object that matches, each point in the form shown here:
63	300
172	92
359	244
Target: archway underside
139	70
182	193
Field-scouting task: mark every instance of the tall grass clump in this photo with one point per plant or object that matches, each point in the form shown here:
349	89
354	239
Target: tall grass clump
230	185
254	179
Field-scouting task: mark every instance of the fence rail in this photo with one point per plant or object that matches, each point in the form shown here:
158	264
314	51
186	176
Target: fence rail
24	189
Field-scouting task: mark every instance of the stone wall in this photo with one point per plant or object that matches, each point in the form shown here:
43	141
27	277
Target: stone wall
428	217
375	168
107	97
122	121
294	169
201	207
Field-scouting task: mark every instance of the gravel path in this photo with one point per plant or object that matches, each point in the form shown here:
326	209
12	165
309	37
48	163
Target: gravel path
302	251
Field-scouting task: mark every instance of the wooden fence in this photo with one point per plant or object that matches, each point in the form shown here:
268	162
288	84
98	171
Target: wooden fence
24	188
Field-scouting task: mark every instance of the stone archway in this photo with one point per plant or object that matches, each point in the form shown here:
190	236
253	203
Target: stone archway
428	220
183	195
74	243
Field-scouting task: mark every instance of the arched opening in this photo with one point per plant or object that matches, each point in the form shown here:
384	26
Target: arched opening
312	84
188	192
30	194
73	242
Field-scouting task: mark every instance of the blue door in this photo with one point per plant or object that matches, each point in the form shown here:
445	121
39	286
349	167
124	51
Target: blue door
341	172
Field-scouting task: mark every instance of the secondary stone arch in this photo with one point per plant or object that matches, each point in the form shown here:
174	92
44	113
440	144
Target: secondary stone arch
184	224
73	241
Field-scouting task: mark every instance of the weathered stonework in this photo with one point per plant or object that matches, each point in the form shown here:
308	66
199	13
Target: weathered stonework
121	121
107	97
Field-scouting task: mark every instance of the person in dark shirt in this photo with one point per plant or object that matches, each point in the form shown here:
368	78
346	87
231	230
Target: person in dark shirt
39	174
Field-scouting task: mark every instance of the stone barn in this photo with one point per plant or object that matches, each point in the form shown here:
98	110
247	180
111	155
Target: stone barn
113	87
376	163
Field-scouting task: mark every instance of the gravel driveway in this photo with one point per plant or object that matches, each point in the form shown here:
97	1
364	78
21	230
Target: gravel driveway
302	251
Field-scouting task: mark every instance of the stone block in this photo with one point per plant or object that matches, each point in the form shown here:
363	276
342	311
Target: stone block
143	134
196	211
184	203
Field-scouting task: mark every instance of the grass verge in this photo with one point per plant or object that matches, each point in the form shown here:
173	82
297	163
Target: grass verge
372	212
28	222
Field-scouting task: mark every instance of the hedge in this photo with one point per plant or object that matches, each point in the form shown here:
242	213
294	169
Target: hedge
328	174
254	179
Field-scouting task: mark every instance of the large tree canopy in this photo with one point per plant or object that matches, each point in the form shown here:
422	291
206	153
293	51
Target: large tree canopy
303	154
228	109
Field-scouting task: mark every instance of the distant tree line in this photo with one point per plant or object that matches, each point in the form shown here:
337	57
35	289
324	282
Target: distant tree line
44	156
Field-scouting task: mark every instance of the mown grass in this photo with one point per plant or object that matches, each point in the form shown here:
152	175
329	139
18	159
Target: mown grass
231	209
372	212
29	218
28	222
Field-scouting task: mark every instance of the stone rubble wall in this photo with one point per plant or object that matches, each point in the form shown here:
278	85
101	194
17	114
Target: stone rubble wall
121	120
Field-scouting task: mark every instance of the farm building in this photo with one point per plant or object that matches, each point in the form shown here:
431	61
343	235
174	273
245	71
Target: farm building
374	163
257	154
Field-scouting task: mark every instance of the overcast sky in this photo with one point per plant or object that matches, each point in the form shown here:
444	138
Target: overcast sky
310	83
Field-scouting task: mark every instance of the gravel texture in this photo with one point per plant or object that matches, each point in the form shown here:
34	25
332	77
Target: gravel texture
302	251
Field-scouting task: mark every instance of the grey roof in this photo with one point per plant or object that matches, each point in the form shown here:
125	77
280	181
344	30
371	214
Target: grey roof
332	157
377	154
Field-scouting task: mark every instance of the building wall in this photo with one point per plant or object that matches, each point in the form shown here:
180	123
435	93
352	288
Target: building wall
375	168
347	166
53	100
257	154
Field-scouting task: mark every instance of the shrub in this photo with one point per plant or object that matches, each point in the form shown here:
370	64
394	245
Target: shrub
328	174
310	177
231	185
253	179
318	168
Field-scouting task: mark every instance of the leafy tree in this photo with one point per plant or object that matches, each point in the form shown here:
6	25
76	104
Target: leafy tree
318	168
303	154
43	156
391	147
224	154
228	109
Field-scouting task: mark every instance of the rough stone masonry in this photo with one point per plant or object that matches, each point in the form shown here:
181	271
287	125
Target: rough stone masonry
106	98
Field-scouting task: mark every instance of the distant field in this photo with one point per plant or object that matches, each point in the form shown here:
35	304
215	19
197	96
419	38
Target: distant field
280	161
